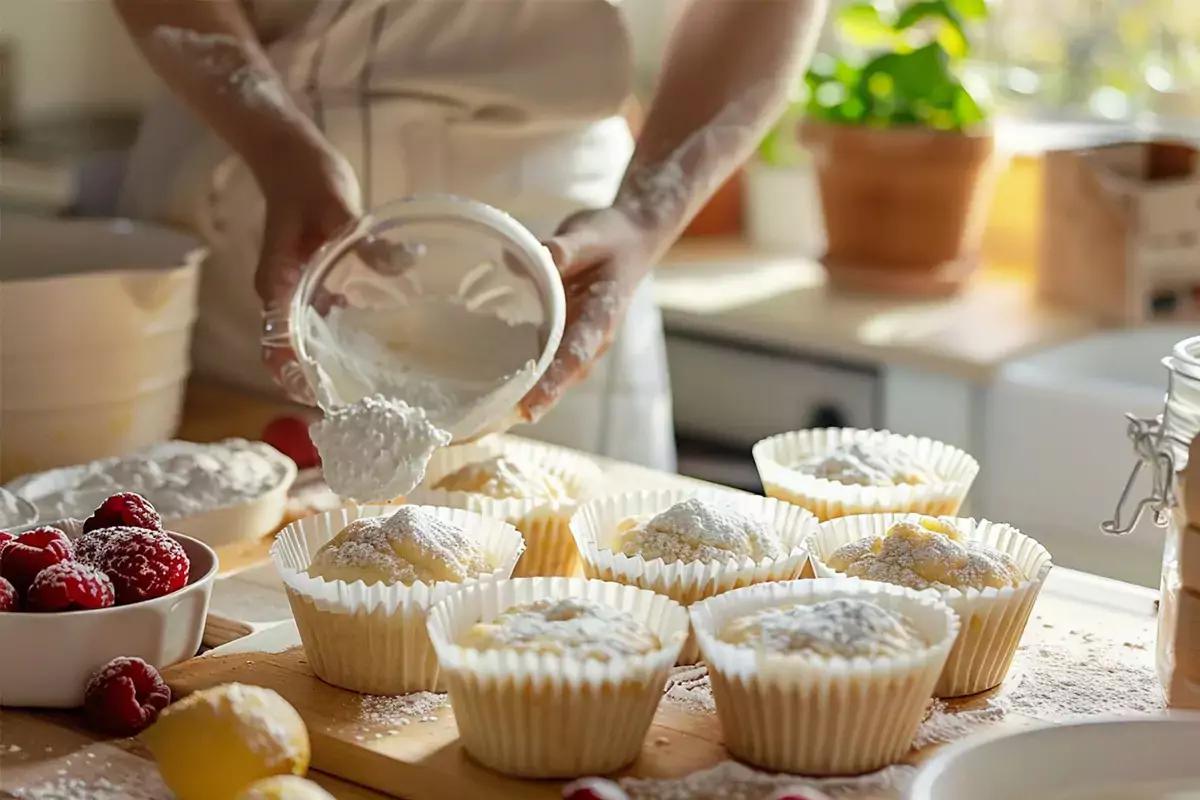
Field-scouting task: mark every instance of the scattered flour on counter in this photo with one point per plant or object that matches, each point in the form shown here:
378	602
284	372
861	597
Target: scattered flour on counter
1098	678
943	725
179	478
730	780
386	714
376	449
690	687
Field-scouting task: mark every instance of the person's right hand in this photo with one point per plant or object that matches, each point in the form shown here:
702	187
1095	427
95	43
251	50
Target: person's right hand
311	195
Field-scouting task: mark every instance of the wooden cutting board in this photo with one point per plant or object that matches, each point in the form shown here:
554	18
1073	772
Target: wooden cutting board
423	760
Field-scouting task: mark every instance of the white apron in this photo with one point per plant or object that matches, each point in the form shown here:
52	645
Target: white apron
511	102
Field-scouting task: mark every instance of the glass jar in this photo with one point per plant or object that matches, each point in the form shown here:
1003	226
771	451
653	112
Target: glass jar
443	302
1163	443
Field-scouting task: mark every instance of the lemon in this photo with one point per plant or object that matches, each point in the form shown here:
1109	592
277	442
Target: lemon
214	743
284	787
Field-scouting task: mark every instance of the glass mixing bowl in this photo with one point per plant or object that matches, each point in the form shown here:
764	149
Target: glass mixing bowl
443	302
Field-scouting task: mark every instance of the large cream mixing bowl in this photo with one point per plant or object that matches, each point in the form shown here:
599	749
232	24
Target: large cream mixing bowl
445	303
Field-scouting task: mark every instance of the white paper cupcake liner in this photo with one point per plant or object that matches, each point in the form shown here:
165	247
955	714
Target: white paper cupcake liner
821	716
595	525
549	547
993	620
372	639
776	457
545	716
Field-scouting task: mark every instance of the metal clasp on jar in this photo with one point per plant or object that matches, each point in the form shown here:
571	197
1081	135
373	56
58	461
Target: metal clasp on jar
1147	435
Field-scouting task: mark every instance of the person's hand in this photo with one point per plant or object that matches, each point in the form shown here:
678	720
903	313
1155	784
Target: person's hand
311	196
602	256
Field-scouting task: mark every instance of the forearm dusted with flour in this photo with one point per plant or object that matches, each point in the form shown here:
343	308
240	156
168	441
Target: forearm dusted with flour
730	68
208	53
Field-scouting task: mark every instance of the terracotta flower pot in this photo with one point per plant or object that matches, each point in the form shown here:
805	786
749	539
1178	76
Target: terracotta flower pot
904	209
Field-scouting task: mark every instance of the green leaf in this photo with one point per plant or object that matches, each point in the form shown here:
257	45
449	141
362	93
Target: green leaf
974	10
861	24
951	32
966	109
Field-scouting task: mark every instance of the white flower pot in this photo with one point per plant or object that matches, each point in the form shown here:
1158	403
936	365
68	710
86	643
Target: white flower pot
783	209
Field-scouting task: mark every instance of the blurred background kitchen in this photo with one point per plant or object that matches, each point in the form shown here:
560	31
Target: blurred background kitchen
1018	311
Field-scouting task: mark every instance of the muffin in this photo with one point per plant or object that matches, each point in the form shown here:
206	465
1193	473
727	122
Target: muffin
822	677
989	573
691	544
534	487
837	472
360	581
555	677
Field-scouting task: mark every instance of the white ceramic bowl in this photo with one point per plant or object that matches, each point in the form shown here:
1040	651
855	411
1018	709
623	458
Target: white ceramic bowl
1048	763
46	660
96	319
218	527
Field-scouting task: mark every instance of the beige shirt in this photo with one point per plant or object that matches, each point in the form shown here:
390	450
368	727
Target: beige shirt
512	102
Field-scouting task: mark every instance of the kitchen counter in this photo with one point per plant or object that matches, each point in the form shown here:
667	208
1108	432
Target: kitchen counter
40	749
720	290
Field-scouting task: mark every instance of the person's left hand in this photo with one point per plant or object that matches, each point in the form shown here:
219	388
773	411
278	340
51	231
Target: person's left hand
602	256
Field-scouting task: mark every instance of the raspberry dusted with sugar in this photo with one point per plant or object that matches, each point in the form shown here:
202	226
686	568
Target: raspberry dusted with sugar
8	596
69	586
143	565
90	546
30	553
124	510
125	696
593	789
799	792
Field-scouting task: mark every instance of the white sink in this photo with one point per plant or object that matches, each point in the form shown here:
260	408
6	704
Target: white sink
1056	453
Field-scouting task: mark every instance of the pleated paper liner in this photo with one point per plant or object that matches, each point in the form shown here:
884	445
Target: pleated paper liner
810	715
545	716
549	547
595	527
372	639
993	620
777	456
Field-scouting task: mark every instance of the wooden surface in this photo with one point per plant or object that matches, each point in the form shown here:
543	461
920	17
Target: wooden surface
722	290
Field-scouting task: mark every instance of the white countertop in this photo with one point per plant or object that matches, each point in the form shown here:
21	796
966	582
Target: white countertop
719	289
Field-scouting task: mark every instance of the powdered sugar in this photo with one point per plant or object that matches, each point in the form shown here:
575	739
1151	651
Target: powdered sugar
840	628
921	555
690	688
376	449
15	512
503	477
875	465
732	781
943	725
700	530
66	788
570	627
1097	677
180	479
401	709
410	545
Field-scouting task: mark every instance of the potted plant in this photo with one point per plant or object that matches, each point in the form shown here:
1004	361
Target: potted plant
902	150
783	209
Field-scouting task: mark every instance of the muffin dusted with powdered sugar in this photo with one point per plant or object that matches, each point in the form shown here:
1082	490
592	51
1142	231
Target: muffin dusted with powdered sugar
691	544
360	581
803	672
409	546
860	465
988	572
698	529
844	627
503	477
570	627
927	553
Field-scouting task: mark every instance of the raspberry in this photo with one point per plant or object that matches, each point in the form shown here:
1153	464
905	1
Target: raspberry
593	789
289	435
125	696
90	546
799	793
8	596
69	586
124	510
143	565
30	553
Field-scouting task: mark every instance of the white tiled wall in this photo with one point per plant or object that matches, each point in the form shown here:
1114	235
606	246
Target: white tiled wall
72	55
